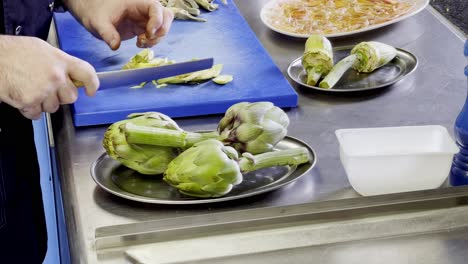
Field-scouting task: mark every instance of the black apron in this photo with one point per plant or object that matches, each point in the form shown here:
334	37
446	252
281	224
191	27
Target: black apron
23	236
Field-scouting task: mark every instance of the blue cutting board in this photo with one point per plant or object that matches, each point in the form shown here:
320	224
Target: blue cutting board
226	37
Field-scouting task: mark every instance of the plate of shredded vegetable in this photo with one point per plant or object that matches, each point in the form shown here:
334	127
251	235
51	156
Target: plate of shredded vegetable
334	18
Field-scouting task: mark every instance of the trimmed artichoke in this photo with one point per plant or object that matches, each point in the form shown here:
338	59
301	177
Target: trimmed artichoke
372	55
253	127
317	59
365	57
210	169
145	159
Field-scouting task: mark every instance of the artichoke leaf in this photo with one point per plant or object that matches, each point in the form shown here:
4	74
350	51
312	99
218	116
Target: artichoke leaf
208	5
182	14
145	58
197	76
223	79
188	5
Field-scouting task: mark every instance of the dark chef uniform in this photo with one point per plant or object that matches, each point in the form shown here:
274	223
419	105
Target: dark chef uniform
23	236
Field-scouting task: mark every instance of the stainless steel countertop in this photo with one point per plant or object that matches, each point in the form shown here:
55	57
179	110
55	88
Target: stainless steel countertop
433	94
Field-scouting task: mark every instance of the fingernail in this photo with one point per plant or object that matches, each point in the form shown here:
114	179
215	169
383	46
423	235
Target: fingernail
143	43
153	33
113	43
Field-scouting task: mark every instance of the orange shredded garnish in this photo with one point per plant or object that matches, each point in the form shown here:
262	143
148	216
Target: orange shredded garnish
333	16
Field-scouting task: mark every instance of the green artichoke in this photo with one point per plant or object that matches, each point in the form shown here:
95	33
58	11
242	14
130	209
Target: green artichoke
247	127
145	159
210	169
253	127
364	57
317	59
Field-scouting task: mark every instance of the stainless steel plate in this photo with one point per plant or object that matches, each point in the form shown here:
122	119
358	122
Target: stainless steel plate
121	181
401	66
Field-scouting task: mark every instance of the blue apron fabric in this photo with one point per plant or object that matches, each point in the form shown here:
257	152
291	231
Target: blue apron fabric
23	236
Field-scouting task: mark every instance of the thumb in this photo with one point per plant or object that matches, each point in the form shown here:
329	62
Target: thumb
108	34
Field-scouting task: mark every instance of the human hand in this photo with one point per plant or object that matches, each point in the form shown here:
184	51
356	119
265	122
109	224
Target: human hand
36	77
116	20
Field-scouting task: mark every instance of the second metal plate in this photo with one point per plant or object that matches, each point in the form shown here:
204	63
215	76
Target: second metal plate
124	182
402	65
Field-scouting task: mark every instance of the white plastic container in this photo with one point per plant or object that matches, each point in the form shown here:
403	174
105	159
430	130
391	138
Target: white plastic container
396	159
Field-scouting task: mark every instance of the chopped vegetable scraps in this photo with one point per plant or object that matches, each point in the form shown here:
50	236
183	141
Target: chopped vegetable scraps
159	85
198	76
223	79
190	9
145	58
328	17
139	86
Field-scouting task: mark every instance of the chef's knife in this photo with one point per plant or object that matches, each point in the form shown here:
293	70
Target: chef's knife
119	78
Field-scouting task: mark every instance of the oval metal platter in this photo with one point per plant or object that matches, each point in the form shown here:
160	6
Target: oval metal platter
352	81
119	180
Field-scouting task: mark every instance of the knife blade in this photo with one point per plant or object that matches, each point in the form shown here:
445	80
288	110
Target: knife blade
119	78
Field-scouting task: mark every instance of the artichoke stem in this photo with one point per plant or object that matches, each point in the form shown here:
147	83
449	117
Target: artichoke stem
313	77
155	136
193	138
337	71
290	157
